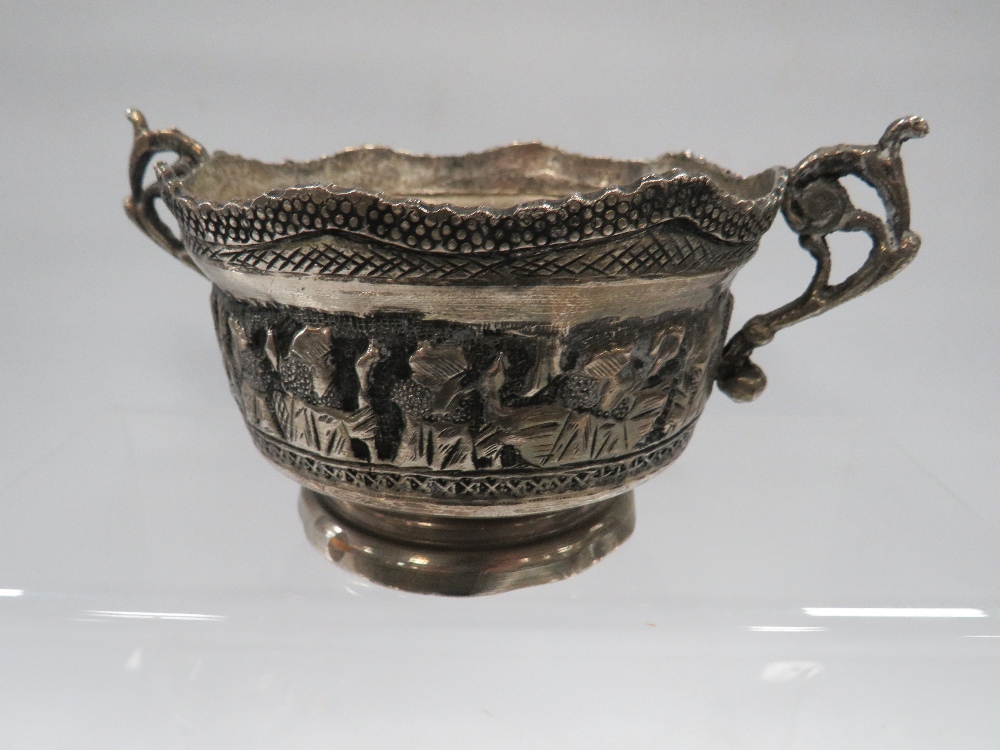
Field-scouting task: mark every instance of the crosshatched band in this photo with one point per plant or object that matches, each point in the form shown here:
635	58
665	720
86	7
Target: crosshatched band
661	251
469	494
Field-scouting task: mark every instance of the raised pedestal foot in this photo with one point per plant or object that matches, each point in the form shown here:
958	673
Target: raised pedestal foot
464	556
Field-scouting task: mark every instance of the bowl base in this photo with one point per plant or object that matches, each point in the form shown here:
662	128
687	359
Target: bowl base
464	556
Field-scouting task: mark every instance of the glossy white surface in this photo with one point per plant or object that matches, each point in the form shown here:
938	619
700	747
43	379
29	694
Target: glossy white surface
820	568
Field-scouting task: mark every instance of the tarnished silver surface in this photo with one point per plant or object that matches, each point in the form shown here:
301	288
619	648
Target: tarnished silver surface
512	333
556	305
817	205
464	557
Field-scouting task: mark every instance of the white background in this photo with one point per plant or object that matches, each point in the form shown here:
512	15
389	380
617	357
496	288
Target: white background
866	475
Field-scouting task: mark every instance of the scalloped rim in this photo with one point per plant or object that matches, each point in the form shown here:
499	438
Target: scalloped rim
697	195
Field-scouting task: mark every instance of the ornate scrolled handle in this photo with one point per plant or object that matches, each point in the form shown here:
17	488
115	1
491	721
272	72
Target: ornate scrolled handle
815	205
140	205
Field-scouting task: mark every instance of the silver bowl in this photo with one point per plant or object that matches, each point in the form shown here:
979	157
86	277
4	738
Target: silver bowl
510	334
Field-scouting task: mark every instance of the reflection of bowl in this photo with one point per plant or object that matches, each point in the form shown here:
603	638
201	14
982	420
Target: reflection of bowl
464	557
516	332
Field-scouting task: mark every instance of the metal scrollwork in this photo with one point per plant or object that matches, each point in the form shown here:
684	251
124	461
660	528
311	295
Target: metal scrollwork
140	204
816	205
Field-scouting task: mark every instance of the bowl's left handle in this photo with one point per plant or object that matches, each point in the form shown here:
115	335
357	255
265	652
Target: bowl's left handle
140	205
816	205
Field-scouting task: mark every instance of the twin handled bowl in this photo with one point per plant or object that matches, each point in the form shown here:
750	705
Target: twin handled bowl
451	351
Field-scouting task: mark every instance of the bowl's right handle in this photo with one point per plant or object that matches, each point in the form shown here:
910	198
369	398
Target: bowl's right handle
140	205
815	205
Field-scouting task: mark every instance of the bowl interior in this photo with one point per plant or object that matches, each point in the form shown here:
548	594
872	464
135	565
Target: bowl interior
498	179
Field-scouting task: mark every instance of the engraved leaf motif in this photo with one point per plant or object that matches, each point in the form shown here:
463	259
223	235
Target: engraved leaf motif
437	373
434	365
335	431
488	442
665	346
238	343
324	429
437	446
617	374
245	364
608	364
440	369
453	448
312	346
258	410
621	372
645	410
550	434
284	411
544	434
548	353
553	435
